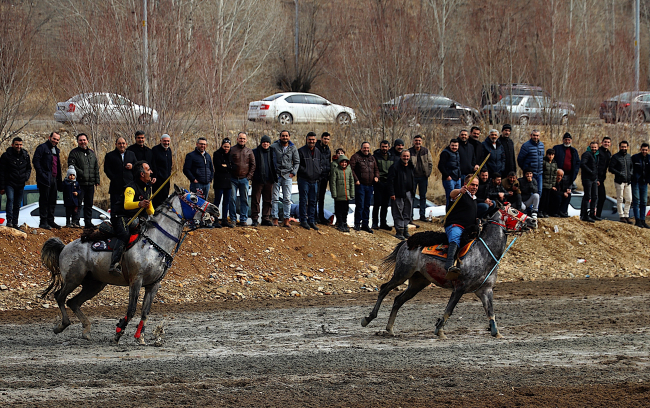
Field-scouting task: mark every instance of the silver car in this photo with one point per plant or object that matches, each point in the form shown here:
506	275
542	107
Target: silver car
29	215
525	109
96	107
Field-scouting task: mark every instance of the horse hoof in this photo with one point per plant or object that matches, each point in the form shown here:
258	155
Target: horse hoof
442	336
116	339
364	322
59	328
86	336
141	341
498	336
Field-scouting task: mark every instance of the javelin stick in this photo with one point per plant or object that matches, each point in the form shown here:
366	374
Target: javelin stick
151	198
470	182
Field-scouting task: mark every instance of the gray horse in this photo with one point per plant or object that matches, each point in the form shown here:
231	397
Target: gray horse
145	264
478	272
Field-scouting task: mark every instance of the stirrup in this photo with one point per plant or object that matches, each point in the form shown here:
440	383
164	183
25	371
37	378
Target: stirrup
452	273
116	269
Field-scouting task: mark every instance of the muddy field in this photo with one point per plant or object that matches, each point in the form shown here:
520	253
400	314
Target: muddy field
567	343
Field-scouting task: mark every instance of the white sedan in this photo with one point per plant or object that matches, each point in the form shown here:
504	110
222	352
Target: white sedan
29	215
95	107
295	107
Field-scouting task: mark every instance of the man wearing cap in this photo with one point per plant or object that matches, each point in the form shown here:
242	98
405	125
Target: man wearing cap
423	162
531	157
508	148
395	152
263	180
86	166
568	160
161	166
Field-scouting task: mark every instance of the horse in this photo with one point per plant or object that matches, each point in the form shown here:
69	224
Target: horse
144	264
478	270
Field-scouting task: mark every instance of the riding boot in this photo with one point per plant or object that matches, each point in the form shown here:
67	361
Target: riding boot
406	232
452	270
116	258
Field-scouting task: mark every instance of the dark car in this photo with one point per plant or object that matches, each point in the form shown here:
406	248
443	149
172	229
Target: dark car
626	107
427	108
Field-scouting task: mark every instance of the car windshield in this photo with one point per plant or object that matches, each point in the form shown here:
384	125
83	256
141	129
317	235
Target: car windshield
512	100
79	97
272	97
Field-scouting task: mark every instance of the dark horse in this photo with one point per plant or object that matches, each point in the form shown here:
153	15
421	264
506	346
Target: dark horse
478	272
144	265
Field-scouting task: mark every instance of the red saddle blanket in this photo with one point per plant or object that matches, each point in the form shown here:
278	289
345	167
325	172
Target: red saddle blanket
105	245
440	251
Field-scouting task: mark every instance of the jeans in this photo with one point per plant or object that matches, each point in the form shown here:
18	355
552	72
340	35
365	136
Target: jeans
47	201
205	189
283	184
453	234
422	184
86	195
402	210
449	185
307	202
14	198
540	180
623	194
362	196
225	193
588	206
639	199
241	186
482	209
382	201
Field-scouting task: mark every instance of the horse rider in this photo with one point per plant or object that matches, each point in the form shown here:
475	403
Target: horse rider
460	217
137	195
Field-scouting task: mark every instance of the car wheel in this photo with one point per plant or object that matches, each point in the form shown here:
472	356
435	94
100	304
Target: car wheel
285	118
468	120
343	119
523	121
639	117
88	119
564	120
144	119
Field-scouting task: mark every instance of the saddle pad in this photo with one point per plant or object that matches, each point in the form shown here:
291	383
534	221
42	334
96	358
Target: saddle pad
105	245
440	251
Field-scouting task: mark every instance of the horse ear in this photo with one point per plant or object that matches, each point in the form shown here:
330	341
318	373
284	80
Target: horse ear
177	189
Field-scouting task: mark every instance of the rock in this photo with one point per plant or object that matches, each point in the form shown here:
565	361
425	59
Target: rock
308	274
194	253
310	255
3	287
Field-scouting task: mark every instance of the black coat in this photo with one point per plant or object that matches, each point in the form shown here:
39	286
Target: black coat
325	160
449	164
401	179
116	171
198	167
161	162
589	166
621	167
527	189
309	168
15	168
509	150
479	153
560	153
272	177
604	158
42	161
143	153
467	157
222	170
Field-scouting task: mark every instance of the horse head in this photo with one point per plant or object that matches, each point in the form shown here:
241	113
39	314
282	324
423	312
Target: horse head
512	219
192	206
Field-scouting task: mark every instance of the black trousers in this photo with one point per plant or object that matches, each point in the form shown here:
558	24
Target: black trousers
341	209
545	200
590	198
47	201
602	195
381	203
86	195
71	213
322	187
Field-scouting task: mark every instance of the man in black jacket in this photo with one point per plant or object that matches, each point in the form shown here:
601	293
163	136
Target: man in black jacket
15	170
474	140
468	164
141	151
384	161
117	167
323	145
264	178
47	166
462	216
589	176
568	160
449	166
198	168
85	163
161	166
309	173
508	149
621	167
401	190
604	157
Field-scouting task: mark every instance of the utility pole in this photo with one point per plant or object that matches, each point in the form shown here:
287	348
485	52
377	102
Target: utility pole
637	11
145	52
296	37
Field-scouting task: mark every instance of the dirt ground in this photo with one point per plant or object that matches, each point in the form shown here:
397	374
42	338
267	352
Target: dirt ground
271	317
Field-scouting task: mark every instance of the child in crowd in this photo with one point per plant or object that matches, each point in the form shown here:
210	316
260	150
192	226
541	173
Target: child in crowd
342	190
70	192
338	152
548	182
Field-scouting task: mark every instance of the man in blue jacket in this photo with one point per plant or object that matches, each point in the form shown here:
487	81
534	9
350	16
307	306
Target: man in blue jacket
640	180
531	156
47	166
198	168
568	160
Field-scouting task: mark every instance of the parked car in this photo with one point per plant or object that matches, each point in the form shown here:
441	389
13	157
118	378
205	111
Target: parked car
96	107
29	215
522	109
626	107
296	107
610	212
426	108
493	93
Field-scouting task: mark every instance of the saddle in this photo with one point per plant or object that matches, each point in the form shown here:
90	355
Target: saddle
440	251
104	235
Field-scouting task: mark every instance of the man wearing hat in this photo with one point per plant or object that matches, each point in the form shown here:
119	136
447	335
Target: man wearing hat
568	160
161	165
264	178
395	152
508	148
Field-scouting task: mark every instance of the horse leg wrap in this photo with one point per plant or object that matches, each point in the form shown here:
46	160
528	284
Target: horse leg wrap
122	324
140	330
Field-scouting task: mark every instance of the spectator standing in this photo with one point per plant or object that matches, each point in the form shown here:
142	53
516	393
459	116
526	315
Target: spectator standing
396	151
161	166
529	193
423	164
49	180
568	160
401	188
589	176
15	169
365	172
492	146
474	140
513	193
640	179
621	167
449	166
531	156
222	185
561	195
508	149
548	182
86	166
382	199
71	191
483	202
117	167
243	162
141	151
342	190
264	179
323	145
466	154
287	161
198	168
309	174
604	158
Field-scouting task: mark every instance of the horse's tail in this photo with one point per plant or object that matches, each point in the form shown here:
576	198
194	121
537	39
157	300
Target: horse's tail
389	262
50	256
